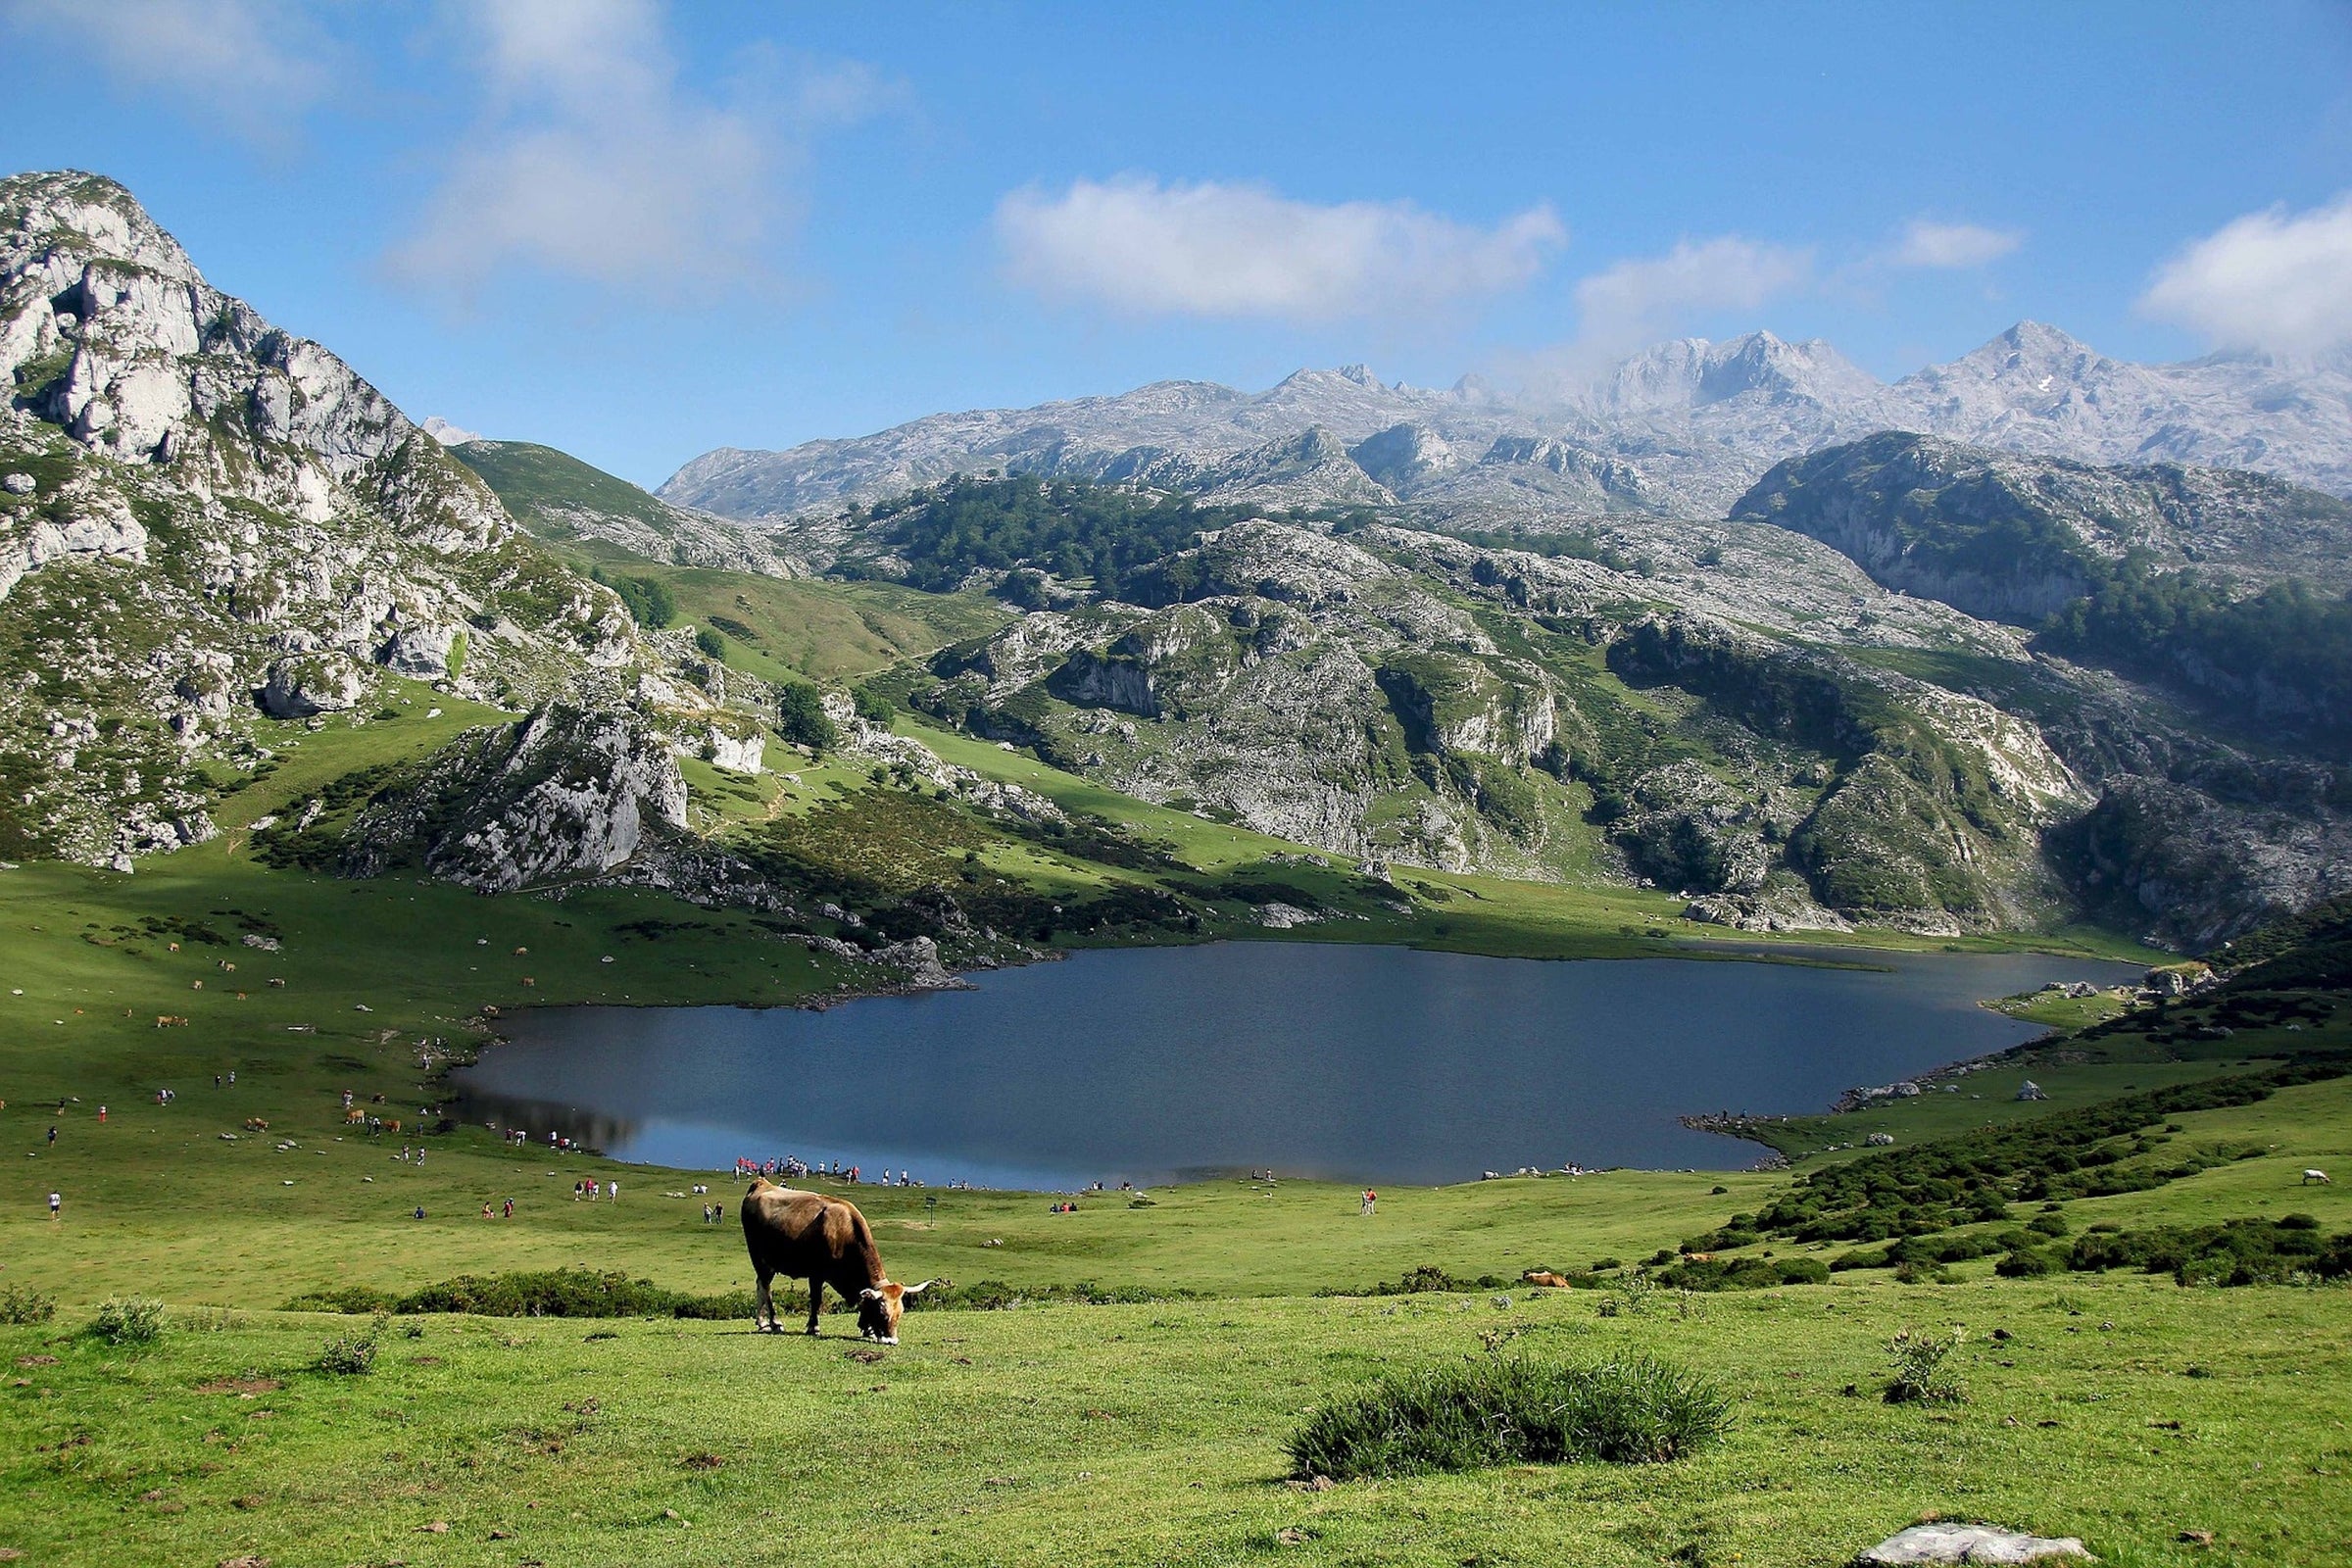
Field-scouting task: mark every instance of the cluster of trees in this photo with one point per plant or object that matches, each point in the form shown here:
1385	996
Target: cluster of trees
649	599
1071	529
2185	626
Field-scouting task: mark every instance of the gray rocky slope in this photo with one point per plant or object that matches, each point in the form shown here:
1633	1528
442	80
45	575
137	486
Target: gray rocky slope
2015	537
213	531
1767	721
1683	428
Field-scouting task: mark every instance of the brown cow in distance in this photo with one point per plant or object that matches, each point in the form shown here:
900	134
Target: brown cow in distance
825	1240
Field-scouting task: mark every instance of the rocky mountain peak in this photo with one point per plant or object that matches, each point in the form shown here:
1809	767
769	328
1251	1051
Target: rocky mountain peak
73	212
1692	372
2030	359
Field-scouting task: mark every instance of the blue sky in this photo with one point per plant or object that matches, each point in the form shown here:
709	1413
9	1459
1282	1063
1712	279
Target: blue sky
639	231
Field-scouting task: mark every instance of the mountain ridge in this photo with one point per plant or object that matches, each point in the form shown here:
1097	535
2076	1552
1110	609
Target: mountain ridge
1692	423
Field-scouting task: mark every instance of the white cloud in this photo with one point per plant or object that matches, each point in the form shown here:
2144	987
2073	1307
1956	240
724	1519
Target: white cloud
1928	243
595	162
251	67
2275	281
1637	301
1243	249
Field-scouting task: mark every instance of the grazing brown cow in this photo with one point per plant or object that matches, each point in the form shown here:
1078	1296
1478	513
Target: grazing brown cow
1547	1278
814	1236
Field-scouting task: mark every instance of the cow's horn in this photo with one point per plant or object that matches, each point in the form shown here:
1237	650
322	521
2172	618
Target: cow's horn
918	1289
869	1293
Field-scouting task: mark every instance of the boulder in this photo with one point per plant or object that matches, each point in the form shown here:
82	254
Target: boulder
1944	1542
312	684
420	650
738	754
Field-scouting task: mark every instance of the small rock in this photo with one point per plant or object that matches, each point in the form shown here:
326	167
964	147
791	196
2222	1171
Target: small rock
2195	1538
1944	1542
1290	1536
18	485
439	1527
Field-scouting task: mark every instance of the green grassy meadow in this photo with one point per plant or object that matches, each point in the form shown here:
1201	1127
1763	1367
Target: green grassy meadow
2120	1407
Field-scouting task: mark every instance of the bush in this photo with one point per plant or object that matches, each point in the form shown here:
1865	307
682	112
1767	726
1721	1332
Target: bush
873	706
1627	1295
20	1307
2024	1264
801	718
711	643
550	1292
1498	1410
123	1320
2237	1252
350	1354
1920	1373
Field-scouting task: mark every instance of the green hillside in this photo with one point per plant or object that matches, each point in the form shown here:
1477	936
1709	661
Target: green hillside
540	484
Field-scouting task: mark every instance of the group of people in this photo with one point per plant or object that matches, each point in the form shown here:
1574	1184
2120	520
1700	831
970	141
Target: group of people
789	1166
504	1211
586	1189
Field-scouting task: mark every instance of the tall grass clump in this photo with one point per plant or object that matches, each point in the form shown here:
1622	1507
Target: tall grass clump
125	1320
1498	1410
1920	1373
351	1355
20	1307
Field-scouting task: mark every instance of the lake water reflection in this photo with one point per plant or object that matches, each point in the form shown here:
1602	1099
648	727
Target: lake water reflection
1352	1063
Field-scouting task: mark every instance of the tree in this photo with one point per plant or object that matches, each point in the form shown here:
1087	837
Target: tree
801	718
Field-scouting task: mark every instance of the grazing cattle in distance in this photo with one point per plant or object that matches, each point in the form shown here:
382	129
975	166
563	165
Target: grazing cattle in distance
1544	1277
2319	1176
821	1239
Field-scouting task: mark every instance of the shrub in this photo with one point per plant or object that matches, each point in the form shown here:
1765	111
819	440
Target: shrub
1920	1373
711	643
1497	1410
2237	1252
123	1320
350	1354
1627	1295
800	718
2024	1265
21	1306
550	1292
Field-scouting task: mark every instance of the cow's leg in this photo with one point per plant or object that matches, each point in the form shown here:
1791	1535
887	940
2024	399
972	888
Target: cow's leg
763	1307
816	1291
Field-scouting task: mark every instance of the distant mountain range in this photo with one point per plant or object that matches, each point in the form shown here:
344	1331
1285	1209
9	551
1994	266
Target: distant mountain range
1681	428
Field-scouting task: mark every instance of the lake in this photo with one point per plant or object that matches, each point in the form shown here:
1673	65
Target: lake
1358	1064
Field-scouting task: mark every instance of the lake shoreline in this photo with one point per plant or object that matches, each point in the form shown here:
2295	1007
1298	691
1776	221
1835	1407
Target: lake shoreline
1449	988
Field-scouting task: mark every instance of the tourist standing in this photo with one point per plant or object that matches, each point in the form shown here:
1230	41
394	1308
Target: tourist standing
1371	1197
57	1200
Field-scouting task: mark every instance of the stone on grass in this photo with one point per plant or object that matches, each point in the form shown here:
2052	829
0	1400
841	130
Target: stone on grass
1943	1542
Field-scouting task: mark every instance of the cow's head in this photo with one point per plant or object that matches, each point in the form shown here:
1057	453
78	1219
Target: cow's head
879	1307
